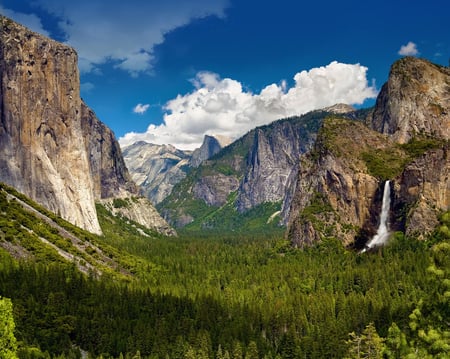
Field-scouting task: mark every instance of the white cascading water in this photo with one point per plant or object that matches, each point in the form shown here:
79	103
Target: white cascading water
383	229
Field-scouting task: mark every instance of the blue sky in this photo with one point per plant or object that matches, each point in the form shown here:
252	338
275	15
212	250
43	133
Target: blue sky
171	71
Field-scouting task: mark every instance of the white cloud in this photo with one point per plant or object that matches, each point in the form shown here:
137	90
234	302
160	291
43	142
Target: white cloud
29	20
410	49
223	107
140	108
124	32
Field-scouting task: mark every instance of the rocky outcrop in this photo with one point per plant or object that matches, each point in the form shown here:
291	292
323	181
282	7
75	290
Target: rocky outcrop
109	173
414	100
210	146
156	168
139	210
272	164
41	137
112	182
339	188
422	192
214	190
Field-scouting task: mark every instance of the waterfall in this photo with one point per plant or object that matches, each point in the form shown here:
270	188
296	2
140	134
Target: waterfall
383	228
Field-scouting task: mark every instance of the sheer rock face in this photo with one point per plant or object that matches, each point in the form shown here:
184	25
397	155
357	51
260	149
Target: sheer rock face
335	195
338	195
271	160
156	168
214	190
52	146
415	100
41	138
110	175
422	191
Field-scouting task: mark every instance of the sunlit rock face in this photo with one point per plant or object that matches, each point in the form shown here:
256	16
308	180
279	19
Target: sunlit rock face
41	139
423	192
335	195
52	146
414	100
156	168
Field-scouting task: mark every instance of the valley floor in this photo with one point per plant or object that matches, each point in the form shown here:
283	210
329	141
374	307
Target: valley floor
223	296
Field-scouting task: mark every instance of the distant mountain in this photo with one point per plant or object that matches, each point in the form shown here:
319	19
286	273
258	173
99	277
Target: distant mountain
247	180
210	146
52	146
158	168
340	183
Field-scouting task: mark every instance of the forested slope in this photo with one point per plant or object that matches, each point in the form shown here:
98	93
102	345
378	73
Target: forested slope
229	296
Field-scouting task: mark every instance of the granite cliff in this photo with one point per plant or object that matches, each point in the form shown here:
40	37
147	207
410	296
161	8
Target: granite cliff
414	100
41	138
109	172
339	188
52	146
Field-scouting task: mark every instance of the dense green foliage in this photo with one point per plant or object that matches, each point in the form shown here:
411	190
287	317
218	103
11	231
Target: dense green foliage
390	162
232	296
8	345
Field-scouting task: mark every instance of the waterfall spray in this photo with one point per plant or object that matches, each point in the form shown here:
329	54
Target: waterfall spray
383	228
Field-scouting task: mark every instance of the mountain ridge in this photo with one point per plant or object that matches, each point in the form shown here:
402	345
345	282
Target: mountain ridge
255	171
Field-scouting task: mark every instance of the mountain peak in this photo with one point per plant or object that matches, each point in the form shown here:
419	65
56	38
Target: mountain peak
339	108
414	101
211	145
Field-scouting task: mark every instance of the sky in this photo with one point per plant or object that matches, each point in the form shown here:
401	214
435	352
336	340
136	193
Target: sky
172	71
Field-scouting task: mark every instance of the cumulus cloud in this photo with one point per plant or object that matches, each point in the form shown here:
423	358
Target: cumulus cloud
29	20
410	49
223	107
140	108
123	32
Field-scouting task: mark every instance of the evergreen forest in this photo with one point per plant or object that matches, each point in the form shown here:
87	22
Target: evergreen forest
132	293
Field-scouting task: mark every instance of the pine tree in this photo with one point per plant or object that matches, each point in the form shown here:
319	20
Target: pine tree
252	351
396	343
368	345
8	344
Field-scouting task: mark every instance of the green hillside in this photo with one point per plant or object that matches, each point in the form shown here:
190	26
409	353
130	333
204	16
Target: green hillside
220	296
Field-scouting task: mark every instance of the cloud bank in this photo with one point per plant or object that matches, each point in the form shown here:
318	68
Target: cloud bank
222	107
117	31
410	49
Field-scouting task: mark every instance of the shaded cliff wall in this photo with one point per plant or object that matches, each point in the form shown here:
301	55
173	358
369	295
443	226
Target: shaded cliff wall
109	172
